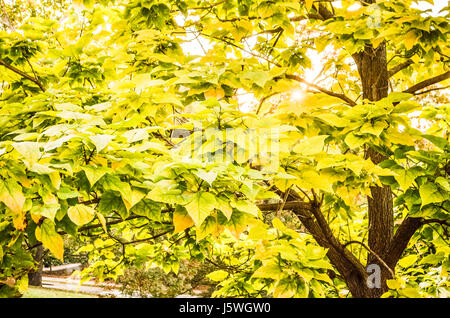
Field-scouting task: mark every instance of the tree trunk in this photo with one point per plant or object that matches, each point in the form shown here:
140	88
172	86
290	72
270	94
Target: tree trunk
35	278
372	68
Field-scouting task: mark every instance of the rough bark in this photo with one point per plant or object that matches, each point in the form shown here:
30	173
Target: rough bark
35	278
374	74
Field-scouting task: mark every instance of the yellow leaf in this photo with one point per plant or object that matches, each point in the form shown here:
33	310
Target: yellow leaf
410	39
181	220
216	93
309	4
393	284
47	234
55	178
11	195
218	275
81	214
102	220
311	146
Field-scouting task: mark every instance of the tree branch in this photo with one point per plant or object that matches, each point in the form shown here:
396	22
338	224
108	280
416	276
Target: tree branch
310	216
401	238
320	89
399	67
413	89
23	74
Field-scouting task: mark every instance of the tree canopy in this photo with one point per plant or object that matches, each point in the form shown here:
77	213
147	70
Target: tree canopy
164	130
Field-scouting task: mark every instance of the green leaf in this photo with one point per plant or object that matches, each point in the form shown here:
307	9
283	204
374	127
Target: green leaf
438	141
375	129
147	208
430	193
354	141
48	210
65	193
405	178
269	270
94	174
110	202
112	182
223	205
81	214
201	206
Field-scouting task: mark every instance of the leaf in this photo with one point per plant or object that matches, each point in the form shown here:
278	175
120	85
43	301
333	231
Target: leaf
135	135
29	150
93	174
393	284
218	275
269	270
407	261
410	292
309	4
48	210
354	141
201	206
109	202
41	169
311	145
223	205
438	141
260	78
245	206
147	208
113	182
181	220
405	178
11	195
206	176
47	234
430	193
65	193
102	220
81	214
375	129
101	141
410	39
444	183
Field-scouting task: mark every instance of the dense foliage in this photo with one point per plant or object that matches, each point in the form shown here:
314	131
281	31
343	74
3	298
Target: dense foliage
95	93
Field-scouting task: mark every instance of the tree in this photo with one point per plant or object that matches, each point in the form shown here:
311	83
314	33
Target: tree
297	197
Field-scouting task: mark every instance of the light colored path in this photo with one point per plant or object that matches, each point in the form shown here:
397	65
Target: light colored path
89	287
